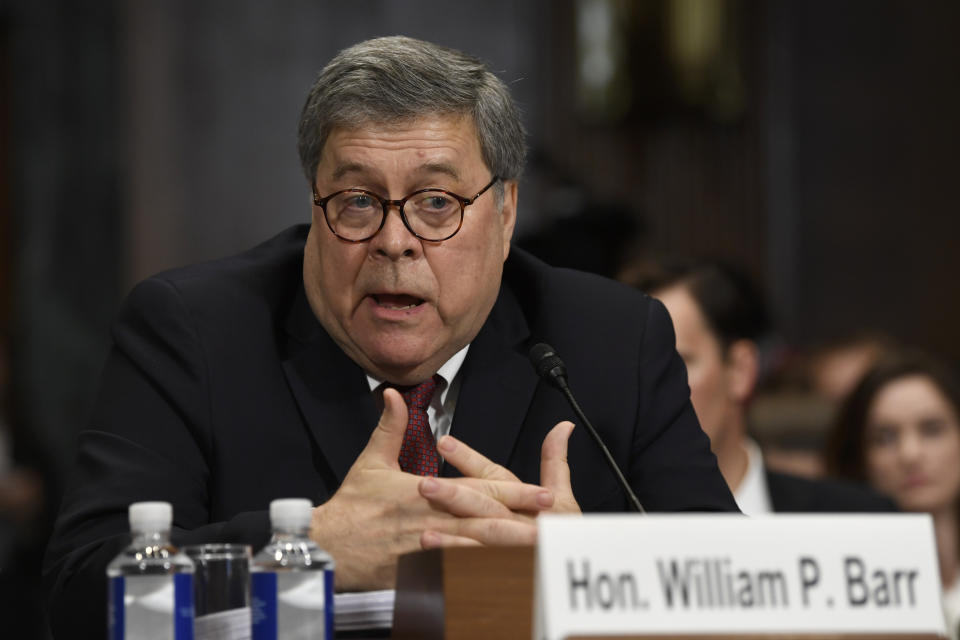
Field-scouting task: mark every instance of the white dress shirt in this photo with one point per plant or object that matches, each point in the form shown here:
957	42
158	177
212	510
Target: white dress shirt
753	496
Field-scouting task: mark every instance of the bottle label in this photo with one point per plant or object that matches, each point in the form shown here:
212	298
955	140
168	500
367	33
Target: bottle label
298	603
183	606
115	609
263	605
151	607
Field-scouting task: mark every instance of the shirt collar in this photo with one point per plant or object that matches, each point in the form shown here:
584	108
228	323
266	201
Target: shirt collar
447	372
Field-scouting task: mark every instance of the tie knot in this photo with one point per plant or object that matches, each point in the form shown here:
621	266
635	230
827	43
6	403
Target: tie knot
419	395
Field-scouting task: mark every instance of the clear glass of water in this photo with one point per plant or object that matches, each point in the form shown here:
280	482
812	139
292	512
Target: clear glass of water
221	590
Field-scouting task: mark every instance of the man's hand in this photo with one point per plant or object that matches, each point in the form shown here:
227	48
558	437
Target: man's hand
491	479
380	512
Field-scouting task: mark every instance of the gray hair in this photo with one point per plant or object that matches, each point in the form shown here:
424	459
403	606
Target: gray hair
398	78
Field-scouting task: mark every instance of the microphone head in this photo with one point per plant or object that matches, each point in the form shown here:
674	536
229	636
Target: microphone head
548	364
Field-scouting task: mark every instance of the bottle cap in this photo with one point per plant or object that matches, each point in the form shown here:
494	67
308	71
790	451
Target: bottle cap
290	513
151	516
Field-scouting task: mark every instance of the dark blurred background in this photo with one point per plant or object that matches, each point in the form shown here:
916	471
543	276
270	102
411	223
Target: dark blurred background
813	142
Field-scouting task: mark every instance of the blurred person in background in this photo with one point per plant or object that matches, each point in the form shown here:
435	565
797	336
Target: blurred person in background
720	318
835	367
899	430
796	405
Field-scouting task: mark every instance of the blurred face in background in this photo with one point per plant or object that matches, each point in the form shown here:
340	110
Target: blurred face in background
703	355
913	445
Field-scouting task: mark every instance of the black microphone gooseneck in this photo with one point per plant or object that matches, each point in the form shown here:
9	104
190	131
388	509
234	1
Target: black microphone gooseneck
550	367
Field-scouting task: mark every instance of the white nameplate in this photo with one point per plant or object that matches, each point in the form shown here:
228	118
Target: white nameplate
729	574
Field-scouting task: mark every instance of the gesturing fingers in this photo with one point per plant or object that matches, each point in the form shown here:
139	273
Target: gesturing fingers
471	497
383	448
469	462
436	540
489	531
554	470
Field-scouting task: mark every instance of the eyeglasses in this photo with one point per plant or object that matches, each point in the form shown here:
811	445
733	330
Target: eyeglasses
356	215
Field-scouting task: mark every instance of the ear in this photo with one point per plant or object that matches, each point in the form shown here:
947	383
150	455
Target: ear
743	367
508	215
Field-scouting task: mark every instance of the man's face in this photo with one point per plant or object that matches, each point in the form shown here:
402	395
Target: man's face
707	372
400	306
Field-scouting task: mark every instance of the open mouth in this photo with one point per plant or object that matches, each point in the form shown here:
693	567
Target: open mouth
398	302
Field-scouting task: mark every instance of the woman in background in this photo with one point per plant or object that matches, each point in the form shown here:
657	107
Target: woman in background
899	431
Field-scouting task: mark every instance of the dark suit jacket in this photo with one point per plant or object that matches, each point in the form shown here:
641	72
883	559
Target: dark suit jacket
794	494
223	392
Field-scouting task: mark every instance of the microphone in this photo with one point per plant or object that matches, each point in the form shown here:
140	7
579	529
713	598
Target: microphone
550	367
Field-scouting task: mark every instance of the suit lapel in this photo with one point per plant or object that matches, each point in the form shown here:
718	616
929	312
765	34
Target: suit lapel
330	389
497	385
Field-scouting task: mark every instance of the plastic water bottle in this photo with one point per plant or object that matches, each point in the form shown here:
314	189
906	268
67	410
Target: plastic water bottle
291	579
151	583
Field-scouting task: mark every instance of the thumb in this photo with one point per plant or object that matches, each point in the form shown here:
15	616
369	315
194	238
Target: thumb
554	470
383	448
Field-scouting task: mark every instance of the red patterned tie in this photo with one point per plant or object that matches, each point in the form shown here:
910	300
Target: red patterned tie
418	454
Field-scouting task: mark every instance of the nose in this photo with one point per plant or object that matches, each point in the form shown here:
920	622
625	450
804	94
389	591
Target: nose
395	241
910	448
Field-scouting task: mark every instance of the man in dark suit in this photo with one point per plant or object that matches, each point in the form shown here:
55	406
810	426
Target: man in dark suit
261	376
719	318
